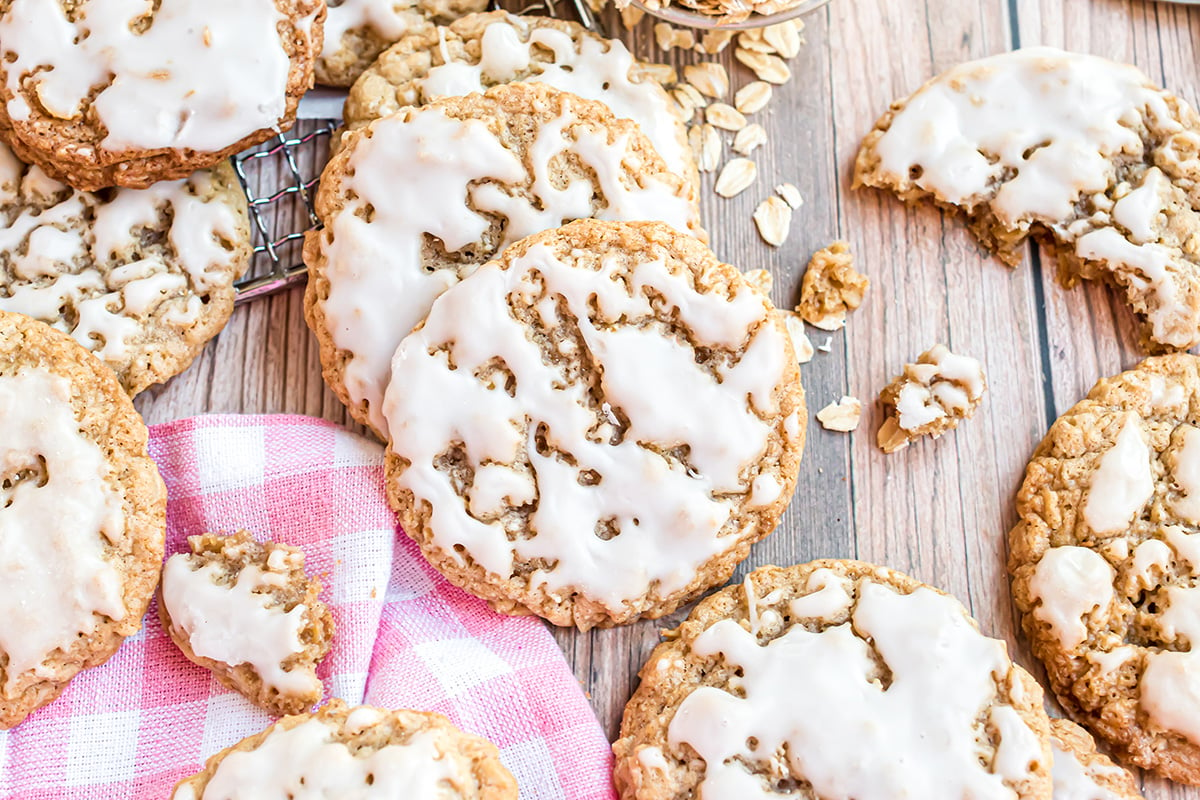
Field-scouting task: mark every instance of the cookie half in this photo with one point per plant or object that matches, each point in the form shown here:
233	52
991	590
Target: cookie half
596	426
82	519
832	680
357	31
125	94
1105	562
355	752
1085	154
141	277
1083	773
416	201
247	611
484	50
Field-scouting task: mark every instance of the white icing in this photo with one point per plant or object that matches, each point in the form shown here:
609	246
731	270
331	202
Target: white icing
1123	482
238	623
814	706
1186	545
420	176
652	758
204	75
1166	397
304	763
58	583
826	597
1139	211
1185	470
672	518
1150	560
598	70
389	19
1071	583
1170	692
1112	660
1074	781
1171	320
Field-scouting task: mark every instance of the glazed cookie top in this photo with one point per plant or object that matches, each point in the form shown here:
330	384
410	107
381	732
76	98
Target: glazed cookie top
416	201
363	752
82	518
1105	560
1082	773
594	426
143	278
837	680
483	50
1084	148
113	78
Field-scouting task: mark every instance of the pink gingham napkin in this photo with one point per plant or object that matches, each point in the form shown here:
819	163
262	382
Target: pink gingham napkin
405	637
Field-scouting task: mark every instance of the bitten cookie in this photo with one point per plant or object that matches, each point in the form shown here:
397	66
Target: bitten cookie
416	201
837	680
1105	561
141	277
126	93
483	50
360	752
357	31
82	515
1085	154
1082	773
929	397
247	611
596	426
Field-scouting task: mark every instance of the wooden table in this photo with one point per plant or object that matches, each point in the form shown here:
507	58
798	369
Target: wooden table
938	510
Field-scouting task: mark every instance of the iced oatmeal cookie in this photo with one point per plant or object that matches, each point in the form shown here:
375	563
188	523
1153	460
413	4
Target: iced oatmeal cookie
125	92
414	202
247	611
1105	563
1086	155
141	277
837	680
362	752
595	426
82	515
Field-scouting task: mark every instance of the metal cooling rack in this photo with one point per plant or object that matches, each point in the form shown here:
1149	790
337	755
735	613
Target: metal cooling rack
280	177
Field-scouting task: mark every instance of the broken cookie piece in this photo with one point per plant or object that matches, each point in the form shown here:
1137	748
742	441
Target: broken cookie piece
247	611
832	288
930	397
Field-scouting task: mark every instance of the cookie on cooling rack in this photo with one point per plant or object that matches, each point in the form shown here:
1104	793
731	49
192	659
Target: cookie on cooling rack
837	680
359	752
595	426
141	277
247	611
1105	561
1083	153
1083	773
416	201
82	515
128	93
484	50
357	31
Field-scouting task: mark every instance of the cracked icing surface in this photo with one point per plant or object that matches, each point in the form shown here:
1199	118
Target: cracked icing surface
1106	562
141	277
595	426
126	92
483	50
247	611
832	680
361	752
415	202
1083	773
1084	153
930	397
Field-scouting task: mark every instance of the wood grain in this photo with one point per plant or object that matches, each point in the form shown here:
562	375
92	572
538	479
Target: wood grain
939	510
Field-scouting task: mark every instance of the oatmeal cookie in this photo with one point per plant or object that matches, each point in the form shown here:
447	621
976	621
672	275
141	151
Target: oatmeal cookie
929	397
82	515
484	50
416	201
832	680
355	752
126	93
141	277
1083	773
1105	562
831	288
596	426
1084	154
247	611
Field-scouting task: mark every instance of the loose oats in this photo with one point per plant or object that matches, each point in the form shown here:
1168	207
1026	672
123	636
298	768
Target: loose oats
736	176
709	78
752	97
749	138
773	217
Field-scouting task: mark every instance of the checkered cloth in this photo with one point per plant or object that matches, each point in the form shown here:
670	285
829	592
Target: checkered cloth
405	637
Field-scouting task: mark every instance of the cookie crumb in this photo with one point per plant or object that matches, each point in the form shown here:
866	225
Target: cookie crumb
827	345
832	288
842	416
760	279
929	397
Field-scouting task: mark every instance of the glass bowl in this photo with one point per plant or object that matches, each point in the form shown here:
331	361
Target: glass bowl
682	15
